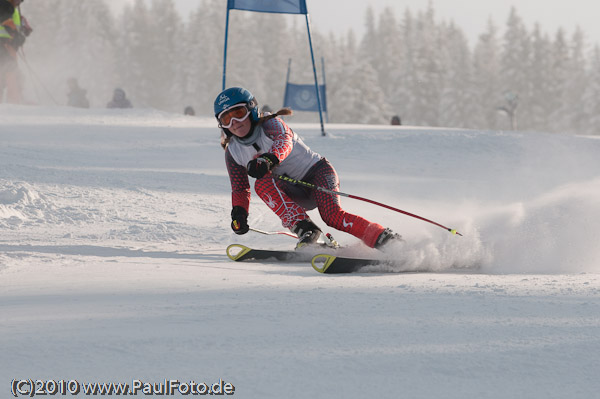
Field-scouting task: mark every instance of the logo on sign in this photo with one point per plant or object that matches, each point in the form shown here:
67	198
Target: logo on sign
305	98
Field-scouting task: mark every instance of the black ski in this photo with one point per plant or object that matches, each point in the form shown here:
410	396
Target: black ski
331	264
238	253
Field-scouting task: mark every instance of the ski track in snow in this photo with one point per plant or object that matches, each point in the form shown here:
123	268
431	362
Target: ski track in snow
112	262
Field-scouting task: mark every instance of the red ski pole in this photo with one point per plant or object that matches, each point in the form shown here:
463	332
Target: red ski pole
326	190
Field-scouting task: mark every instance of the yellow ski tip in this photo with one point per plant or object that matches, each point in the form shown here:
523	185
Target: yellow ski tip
236	251
321	262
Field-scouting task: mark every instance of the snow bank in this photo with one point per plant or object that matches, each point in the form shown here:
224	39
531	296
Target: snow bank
112	266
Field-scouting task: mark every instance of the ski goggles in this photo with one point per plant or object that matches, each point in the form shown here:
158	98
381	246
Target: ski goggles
238	112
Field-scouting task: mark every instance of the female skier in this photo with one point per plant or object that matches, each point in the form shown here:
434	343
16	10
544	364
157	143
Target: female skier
261	145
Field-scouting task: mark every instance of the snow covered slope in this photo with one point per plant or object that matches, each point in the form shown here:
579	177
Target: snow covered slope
112	268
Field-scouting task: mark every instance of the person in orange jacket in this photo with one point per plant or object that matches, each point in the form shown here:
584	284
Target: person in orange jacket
14	29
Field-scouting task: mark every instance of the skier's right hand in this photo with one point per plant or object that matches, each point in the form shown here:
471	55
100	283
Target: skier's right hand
239	220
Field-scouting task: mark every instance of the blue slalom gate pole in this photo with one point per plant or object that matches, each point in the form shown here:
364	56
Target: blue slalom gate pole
312	56
225	48
287	81
324	90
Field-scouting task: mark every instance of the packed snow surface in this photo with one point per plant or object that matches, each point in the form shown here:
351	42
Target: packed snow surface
114	226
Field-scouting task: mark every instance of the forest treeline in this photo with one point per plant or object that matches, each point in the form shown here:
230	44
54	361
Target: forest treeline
412	65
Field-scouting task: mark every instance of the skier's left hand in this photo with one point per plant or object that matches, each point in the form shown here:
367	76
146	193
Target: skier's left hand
260	166
239	220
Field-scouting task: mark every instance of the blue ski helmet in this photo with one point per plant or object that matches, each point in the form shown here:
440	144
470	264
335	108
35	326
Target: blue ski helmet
236	95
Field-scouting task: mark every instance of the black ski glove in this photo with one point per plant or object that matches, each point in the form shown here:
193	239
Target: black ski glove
239	218
260	166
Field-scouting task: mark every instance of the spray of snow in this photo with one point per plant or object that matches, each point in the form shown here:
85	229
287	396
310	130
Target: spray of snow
556	232
553	233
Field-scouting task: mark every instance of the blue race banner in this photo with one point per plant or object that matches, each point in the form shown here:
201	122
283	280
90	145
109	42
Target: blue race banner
304	97
274	6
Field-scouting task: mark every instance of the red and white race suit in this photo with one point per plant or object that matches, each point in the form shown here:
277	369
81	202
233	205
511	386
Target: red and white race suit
296	160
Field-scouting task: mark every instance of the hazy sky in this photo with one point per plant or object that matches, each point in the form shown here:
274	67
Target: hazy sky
470	15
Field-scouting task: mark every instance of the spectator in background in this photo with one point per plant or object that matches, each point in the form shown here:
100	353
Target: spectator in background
189	111
396	120
76	96
119	100
266	109
14	29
